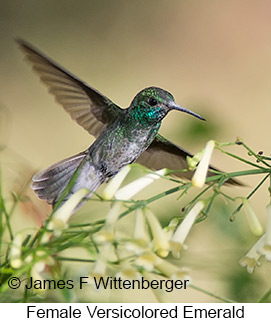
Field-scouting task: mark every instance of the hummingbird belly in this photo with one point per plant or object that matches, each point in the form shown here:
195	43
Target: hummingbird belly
118	148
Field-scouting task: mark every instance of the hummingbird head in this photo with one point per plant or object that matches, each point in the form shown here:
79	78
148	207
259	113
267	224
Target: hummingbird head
152	104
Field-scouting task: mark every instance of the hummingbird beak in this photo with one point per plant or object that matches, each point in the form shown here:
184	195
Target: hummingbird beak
175	106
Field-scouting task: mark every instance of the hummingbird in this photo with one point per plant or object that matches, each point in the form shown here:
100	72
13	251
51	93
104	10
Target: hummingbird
123	136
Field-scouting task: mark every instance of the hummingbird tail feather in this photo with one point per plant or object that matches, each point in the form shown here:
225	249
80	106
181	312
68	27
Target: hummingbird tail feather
50	183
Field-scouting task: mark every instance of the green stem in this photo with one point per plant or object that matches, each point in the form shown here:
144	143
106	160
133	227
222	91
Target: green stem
211	201
239	173
240	158
3	210
200	194
255	155
74	259
266	297
143	203
251	193
223	299
91	224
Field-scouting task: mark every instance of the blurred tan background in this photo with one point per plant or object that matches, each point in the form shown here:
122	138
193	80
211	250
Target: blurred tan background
213	56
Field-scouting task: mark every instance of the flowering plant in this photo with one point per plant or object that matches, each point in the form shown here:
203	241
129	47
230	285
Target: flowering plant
148	247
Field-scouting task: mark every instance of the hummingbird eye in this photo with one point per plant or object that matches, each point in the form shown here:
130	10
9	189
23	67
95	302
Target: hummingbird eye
152	101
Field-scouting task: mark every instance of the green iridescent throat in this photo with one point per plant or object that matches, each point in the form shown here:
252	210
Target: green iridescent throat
146	115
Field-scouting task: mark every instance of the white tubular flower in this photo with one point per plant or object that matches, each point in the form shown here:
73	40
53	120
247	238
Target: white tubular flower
128	191
15	254
171	227
99	270
62	215
112	187
160	239
106	234
169	270
253	221
146	260
113	214
140	232
39	267
36	273
141	238
108	252
128	272
45	237
265	250
251	259
200	174
161	295
179	236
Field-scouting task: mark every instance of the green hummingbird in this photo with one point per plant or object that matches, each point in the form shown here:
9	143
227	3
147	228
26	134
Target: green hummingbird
123	136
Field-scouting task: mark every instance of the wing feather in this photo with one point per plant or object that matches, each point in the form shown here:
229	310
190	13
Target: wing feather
89	108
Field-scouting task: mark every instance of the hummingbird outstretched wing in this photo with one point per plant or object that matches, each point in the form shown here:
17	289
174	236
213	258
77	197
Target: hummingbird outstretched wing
89	108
